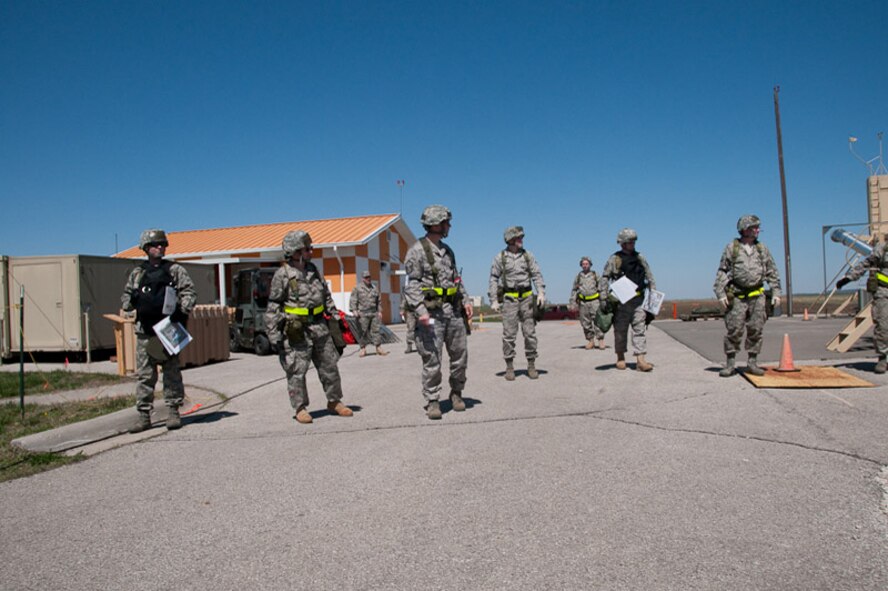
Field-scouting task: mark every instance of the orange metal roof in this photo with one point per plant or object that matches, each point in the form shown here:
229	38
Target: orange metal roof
264	237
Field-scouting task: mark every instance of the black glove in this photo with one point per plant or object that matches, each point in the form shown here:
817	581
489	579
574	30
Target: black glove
842	282
276	348
180	317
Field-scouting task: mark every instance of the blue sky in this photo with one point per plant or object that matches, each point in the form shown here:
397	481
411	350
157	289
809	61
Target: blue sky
573	119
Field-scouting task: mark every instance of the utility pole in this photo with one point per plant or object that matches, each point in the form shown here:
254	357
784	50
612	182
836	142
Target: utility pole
785	212
400	183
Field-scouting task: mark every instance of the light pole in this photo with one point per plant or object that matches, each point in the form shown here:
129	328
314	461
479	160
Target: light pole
400	183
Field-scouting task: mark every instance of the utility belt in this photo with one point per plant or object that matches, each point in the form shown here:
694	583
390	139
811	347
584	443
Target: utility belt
518	293
298	318
744	294
436	296
585	298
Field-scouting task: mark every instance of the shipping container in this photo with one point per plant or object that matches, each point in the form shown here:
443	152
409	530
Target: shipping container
66	296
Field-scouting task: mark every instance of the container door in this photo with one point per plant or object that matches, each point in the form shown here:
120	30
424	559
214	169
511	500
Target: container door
44	312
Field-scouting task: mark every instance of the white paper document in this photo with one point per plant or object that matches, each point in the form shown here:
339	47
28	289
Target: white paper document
172	335
624	288
653	299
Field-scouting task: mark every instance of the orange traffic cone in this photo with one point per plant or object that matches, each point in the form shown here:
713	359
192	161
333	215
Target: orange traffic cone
786	363
805	317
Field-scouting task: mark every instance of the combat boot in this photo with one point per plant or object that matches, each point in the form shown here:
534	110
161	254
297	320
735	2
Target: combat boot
621	361
380	352
457	401
433	410
363	352
409	348
510	371
143	424
881	365
174	421
337	408
590	344
303	417
728	370
642	365
532	372
752	366
601	344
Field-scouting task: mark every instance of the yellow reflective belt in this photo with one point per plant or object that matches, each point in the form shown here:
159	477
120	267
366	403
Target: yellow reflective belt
589	298
440	290
882	278
751	294
304	311
518	296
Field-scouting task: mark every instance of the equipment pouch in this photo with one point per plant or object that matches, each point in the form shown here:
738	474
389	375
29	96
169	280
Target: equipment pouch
872	282
295	329
500	294
336	333
432	303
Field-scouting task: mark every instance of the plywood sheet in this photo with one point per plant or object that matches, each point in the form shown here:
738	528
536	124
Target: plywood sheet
807	377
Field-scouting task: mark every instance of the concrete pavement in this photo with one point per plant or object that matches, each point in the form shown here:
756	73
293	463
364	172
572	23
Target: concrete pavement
586	478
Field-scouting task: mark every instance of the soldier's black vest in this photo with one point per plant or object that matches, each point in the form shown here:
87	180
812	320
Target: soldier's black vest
149	298
632	268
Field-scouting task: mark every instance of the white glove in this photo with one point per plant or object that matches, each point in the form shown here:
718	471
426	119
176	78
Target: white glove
775	301
541	299
724	302
496	306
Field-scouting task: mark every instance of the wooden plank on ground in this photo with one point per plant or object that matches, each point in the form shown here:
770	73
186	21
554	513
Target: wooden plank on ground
807	377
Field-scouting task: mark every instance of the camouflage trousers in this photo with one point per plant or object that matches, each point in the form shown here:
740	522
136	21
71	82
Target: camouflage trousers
317	347
149	354
410	319
588	309
630	315
747	315
447	331
880	319
517	312
369	323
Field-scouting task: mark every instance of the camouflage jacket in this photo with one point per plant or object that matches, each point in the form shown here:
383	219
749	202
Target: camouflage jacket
512	270
745	271
421	277
292	288
182	283
585	284
877	261
365	299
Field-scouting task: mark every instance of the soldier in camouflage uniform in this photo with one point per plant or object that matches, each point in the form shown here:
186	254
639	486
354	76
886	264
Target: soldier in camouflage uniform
511	274
297	328
409	317
629	263
877	264
145	293
746	265
585	296
366	305
436	294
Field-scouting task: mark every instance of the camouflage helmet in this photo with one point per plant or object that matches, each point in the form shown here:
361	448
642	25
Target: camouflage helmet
434	215
513	232
295	240
748	221
585	259
153	236
626	235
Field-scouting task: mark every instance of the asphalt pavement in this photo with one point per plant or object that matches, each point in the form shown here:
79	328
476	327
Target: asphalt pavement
588	478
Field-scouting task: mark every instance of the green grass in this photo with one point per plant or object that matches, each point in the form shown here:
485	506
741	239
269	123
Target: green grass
16	462
53	381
